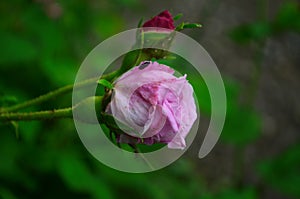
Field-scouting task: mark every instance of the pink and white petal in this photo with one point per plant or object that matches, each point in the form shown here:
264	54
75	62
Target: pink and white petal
167	110
177	142
188	113
135	71
119	109
156	122
139	109
176	85
188	117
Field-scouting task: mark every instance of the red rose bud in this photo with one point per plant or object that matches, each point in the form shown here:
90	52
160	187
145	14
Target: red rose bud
157	32
162	20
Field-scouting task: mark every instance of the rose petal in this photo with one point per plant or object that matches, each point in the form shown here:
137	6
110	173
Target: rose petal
189	116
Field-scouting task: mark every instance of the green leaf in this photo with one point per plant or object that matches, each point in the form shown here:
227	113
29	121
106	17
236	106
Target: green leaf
105	83
177	17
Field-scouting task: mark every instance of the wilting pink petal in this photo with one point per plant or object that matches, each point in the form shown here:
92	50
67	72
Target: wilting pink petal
156	105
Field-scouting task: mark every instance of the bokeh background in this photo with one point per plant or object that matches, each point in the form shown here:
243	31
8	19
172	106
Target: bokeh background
256	45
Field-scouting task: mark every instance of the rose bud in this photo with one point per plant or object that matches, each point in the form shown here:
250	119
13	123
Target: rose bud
156	106
156	32
162	20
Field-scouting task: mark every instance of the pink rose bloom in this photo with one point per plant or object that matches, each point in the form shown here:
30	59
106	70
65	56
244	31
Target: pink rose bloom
156	106
162	20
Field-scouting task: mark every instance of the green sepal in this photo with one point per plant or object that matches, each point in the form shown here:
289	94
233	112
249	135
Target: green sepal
179	27
177	17
192	25
151	39
140	22
183	26
105	83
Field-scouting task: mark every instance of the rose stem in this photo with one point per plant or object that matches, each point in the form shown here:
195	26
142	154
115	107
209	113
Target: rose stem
41	115
144	158
55	93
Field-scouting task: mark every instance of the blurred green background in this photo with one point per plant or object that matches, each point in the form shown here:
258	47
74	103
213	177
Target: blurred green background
256	45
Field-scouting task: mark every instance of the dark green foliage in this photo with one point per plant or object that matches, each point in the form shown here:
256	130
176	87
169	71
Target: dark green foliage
287	19
257	31
282	172
243	124
248	193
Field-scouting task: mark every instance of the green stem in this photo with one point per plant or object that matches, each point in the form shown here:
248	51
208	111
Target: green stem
55	93
41	115
141	49
145	159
